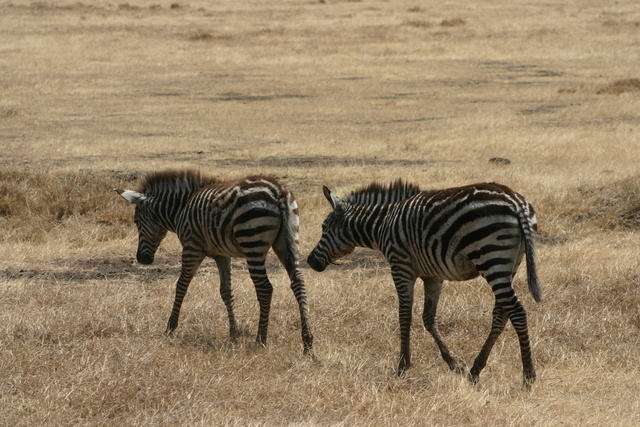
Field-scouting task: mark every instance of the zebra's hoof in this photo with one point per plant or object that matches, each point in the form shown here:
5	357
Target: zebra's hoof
402	367
529	379
260	344
308	350
170	328
459	368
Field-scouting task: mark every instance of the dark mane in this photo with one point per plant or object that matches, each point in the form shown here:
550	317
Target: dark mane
377	194
187	179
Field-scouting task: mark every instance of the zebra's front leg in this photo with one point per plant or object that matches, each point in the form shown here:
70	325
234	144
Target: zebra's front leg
264	290
432	290
224	270
404	287
190	263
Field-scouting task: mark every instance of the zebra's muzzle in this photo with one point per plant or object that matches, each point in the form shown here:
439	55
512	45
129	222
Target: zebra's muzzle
315	264
144	258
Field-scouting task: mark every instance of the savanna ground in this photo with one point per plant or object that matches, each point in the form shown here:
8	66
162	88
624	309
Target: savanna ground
314	92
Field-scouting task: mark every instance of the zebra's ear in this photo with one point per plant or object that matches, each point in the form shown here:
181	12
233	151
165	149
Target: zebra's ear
131	196
335	202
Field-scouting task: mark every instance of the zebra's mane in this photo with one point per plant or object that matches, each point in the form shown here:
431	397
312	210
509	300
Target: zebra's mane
171	181
377	194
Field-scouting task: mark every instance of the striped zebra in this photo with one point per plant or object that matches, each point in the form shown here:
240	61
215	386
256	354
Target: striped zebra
221	220
453	234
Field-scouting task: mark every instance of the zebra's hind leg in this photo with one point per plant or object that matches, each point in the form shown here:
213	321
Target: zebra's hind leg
300	292
432	290
224	270
264	291
518	317
502	312
190	263
497	326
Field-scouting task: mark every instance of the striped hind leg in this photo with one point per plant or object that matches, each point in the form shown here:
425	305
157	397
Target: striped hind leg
264	291
432	290
507	307
190	263
299	291
497	326
518	317
224	270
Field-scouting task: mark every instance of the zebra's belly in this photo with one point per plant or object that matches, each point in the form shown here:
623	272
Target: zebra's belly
221	245
241	242
463	269
231	252
460	273
458	268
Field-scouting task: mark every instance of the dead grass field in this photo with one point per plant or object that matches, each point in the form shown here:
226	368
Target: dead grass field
314	92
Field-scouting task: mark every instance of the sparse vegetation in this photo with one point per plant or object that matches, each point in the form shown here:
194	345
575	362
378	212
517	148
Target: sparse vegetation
340	93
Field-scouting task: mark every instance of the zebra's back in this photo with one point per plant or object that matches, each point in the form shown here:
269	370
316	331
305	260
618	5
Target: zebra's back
235	218
449	233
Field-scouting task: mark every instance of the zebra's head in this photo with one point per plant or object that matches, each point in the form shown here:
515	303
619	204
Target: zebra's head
337	240
150	230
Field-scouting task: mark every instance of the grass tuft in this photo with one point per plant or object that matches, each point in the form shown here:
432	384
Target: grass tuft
33	203
612	206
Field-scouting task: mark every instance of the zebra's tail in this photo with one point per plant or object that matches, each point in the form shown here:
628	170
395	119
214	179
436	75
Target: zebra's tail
290	225
530	254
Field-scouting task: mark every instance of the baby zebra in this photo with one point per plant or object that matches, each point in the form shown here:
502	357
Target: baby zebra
453	234
221	220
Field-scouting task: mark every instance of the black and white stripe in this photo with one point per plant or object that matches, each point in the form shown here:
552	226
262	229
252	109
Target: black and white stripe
242	218
453	234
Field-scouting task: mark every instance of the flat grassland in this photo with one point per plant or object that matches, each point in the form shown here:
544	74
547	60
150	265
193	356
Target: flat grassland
341	93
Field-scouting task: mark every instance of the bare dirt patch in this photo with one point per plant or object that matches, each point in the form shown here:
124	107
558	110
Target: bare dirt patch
322	161
453	22
621	86
234	96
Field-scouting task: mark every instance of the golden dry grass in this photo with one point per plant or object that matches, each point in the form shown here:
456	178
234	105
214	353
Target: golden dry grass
314	92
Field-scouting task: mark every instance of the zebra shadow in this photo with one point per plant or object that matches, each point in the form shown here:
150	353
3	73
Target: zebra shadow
207	340
99	268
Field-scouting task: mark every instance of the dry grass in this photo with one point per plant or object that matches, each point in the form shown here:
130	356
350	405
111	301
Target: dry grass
314	92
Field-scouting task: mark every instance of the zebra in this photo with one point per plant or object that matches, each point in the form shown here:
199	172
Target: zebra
221	220
453	234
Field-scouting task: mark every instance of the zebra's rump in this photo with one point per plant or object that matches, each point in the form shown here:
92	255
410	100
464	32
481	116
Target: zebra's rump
234	218
456	234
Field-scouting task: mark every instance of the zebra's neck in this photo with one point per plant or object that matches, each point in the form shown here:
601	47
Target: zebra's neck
365	223
169	191
169	205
